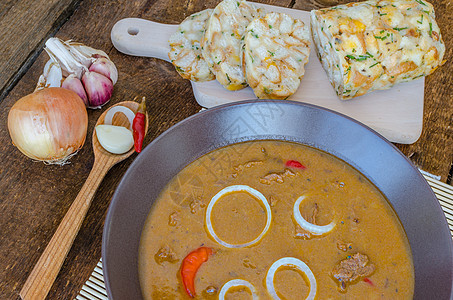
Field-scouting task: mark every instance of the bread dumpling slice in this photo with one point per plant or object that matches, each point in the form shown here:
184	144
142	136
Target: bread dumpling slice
221	44
185	53
275	50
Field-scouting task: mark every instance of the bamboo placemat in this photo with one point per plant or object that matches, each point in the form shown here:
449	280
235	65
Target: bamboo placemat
94	288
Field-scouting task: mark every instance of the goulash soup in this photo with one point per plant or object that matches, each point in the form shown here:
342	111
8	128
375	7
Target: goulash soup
273	220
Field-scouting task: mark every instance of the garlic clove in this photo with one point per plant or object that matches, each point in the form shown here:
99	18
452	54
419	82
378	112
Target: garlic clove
52	76
114	139
74	84
84	50
99	89
84	54
59	51
106	67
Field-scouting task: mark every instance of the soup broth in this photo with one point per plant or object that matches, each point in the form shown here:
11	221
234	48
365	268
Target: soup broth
365	255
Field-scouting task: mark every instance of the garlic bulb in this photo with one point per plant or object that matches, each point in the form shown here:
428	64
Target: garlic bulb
88	72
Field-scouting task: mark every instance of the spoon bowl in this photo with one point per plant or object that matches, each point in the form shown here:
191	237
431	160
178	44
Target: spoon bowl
119	119
49	264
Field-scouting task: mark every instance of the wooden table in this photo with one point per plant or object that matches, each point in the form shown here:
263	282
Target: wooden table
34	197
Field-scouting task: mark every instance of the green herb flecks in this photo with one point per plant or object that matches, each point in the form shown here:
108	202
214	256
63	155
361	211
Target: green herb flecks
251	57
347	70
380	37
359	57
421	2
399	29
421	20
267	90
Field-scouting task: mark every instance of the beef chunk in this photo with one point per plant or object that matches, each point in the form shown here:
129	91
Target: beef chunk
351	269
277	177
165	254
344	246
173	219
240	168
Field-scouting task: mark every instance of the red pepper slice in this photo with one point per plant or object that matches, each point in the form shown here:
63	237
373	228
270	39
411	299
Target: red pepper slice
190	266
294	164
139	126
367	280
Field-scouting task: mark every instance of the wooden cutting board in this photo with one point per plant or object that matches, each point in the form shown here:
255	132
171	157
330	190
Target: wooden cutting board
397	113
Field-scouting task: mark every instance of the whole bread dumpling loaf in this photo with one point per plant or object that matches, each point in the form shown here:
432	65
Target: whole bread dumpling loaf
373	45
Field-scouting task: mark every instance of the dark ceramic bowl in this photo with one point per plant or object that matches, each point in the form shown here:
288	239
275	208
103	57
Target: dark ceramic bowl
392	173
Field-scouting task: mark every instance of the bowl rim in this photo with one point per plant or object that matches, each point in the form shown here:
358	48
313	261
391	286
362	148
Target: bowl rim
418	187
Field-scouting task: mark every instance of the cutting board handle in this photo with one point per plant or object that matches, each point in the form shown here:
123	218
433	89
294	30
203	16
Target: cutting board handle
139	37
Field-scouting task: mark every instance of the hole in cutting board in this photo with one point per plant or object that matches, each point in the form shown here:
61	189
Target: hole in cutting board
133	30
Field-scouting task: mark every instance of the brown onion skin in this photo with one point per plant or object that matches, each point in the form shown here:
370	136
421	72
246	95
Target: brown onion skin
49	124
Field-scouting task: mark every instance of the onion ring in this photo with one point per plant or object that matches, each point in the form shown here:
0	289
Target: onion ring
130	115
292	262
234	283
228	190
312	228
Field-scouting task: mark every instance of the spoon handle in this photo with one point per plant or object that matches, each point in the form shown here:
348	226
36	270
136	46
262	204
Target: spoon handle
48	266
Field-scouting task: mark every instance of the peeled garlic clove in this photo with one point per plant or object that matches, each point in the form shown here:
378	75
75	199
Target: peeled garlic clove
106	67
99	89
114	139
74	84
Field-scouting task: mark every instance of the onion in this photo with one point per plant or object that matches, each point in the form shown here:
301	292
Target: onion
312	228
231	189
130	115
48	125
237	282
295	263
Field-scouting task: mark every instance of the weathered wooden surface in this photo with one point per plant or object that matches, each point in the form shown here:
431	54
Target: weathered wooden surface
34	197
24	27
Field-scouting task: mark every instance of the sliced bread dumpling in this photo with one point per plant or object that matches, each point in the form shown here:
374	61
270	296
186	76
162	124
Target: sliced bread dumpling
185	53
221	44
276	48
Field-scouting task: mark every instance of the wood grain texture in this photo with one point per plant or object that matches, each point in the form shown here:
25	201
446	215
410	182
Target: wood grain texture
48	266
24	27
35	197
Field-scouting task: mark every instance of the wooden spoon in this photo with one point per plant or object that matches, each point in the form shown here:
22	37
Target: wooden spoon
48	266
